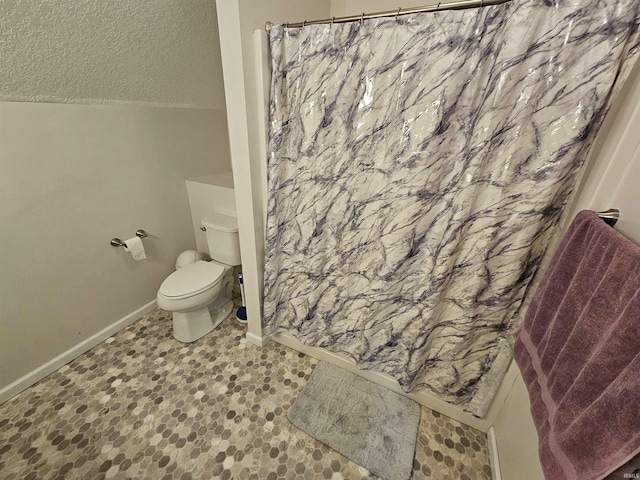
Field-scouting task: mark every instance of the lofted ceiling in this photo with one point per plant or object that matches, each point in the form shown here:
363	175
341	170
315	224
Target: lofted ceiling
115	51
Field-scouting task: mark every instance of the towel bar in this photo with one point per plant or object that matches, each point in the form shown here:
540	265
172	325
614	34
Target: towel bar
610	216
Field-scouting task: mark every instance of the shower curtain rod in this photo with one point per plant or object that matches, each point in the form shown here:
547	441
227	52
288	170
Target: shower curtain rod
395	13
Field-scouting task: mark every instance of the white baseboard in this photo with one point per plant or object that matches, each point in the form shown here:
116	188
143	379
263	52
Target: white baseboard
422	397
52	365
257	340
494	459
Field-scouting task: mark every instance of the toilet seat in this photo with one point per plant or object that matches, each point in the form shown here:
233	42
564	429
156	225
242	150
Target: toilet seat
191	280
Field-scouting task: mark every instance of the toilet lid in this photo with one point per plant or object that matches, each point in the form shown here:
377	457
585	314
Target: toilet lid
192	279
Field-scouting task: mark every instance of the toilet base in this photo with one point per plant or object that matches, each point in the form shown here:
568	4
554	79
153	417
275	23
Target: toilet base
191	326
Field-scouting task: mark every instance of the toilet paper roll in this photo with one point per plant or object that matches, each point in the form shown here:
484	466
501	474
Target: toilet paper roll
135	247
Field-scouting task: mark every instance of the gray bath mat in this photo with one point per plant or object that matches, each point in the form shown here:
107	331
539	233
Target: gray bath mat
369	424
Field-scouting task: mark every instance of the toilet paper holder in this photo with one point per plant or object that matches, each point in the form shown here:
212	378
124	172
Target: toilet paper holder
116	242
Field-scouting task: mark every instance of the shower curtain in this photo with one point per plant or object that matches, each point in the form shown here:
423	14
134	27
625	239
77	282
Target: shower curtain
418	168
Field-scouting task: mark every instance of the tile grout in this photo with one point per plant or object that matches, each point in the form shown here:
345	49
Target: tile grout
141	405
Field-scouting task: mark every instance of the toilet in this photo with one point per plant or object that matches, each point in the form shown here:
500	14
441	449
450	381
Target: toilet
199	294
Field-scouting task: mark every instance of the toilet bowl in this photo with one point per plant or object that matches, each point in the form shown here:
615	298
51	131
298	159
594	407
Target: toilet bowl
199	294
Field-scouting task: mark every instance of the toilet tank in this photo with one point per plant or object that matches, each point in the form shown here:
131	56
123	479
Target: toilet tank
222	238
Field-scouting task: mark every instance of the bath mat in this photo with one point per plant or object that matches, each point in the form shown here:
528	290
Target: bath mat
369	424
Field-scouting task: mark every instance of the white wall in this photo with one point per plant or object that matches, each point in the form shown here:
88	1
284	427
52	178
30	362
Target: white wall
111	159
341	8
237	20
613	168
71	178
515	436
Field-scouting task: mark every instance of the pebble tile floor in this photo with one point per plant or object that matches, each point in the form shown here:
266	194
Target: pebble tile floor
141	405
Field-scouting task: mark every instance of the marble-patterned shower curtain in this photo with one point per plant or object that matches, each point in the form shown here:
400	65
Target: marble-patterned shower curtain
418	167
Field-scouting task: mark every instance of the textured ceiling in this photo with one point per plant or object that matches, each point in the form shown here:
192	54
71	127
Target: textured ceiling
111	51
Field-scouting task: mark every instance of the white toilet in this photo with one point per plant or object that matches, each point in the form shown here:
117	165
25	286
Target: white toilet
199	294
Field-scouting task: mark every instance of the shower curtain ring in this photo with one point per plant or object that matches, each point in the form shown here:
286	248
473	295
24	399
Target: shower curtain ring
361	17
438	7
304	24
397	14
332	20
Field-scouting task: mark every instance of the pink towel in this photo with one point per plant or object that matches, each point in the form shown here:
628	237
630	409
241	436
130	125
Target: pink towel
579	353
